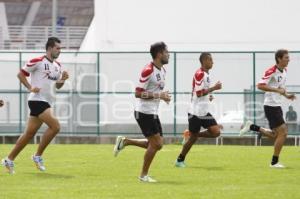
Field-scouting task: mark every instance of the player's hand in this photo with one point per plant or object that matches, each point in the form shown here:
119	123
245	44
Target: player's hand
218	86
165	96
281	91
290	96
211	98
34	90
65	75
1	103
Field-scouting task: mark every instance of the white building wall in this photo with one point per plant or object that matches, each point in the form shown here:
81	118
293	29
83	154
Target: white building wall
193	25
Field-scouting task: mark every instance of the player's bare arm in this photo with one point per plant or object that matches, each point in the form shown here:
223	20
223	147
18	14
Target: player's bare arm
267	88
150	95
61	82
25	82
281	91
204	92
290	96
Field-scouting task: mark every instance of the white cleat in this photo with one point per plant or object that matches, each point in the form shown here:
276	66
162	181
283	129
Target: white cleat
119	145
147	179
246	128
9	165
277	166
180	164
39	163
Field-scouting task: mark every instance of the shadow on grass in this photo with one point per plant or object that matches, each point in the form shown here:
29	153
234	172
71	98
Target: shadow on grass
206	168
167	182
280	169
51	175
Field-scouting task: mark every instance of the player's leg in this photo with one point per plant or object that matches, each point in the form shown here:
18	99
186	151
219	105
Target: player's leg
33	124
267	133
122	141
194	128
185	149
277	124
145	122
213	129
52	130
261	131
155	143
211	132
143	143
275	118
280	139
281	132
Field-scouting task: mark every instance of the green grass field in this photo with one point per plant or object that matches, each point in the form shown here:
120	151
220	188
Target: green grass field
90	171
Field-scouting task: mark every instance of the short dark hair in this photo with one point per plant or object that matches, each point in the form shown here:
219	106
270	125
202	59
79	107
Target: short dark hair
280	53
203	56
156	48
51	42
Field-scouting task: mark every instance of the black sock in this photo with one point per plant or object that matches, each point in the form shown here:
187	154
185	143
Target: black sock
254	127
274	159
180	158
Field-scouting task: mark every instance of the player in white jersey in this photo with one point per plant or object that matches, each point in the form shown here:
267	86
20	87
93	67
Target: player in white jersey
198	114
148	94
44	72
273	84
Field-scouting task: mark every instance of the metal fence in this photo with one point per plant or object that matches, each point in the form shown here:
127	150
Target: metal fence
98	99
35	37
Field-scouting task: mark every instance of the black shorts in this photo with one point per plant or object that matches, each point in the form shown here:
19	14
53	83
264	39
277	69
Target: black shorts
149	123
196	122
274	116
37	107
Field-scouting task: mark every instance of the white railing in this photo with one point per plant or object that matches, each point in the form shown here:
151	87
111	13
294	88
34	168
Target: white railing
35	37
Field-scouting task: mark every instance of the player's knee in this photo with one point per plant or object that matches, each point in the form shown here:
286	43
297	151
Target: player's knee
216	133
284	133
159	146
56	127
193	136
282	130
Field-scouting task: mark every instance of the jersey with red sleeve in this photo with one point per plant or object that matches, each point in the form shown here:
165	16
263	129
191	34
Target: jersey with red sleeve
44	74
200	105
274	78
152	80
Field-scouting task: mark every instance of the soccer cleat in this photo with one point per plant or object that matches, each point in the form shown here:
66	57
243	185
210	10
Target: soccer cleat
246	128
119	145
147	179
277	166
9	165
39	163
180	164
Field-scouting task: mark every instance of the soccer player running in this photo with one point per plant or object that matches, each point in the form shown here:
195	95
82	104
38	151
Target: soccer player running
273	84
148	94
198	114
44	71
